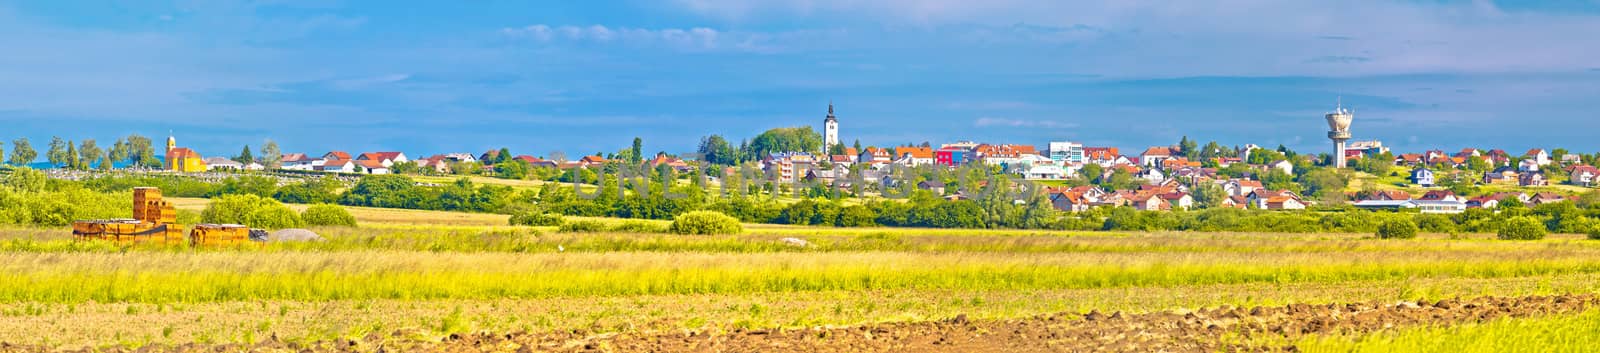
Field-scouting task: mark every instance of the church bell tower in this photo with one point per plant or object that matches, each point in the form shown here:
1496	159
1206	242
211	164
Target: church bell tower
830	130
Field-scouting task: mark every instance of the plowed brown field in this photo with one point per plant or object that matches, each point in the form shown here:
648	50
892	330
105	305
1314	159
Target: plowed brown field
1205	330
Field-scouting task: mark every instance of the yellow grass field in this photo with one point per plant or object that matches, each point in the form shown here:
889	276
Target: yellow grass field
424	275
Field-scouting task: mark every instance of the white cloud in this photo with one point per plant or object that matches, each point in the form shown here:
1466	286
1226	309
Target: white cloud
1144	38
689	38
1003	122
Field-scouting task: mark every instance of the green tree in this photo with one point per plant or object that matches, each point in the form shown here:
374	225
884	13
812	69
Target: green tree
1189	148
90	152
1324	182
637	150
1208	195
119	151
142	152
1521	228
1397	229
789	139
22	152
327	215
271	157
71	157
245	157
105	164
57	154
715	150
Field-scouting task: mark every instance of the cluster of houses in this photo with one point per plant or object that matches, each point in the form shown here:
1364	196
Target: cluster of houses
384	162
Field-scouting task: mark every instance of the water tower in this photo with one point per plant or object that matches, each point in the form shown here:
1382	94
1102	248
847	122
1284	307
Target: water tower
1339	131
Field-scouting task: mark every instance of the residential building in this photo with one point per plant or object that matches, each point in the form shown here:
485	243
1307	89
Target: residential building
1178	200
387	159
951	156
1423	206
1583	175
1440	195
1539	156
1067	152
298	161
220	163
1422	177
1154	156
337	166
1532	179
1046	172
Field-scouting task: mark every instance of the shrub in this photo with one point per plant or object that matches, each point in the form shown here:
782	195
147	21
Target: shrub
1397	229
1522	228
233	209
328	215
1594	233
705	223
583	226
273	217
638	227
536	219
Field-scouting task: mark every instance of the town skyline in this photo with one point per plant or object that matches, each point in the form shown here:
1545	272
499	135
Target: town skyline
585	78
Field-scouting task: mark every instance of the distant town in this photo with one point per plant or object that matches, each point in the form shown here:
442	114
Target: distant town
1075	177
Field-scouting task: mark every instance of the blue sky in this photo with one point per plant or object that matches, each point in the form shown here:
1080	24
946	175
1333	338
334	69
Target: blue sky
587	76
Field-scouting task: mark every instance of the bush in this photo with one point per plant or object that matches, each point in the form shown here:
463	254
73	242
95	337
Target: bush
1397	229
638	227
328	215
1594	233
536	219
705	223
1522	228
273	217
233	209
583	226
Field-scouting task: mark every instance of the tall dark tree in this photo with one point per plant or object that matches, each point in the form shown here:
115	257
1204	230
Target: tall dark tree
637	150
71	157
857	145
245	157
1189	148
715	150
503	156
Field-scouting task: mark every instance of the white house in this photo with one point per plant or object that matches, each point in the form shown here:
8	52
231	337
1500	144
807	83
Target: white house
219	163
1583	175
388	159
1424	206
1178	200
338	166
1152	175
1046	172
1285	166
1539	156
1422	176
299	161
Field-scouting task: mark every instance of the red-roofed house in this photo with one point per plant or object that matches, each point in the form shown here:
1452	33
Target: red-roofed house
388	159
1583	175
337	155
1154	156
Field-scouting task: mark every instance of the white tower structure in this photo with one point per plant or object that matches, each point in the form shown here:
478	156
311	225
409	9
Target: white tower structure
830	130
1339	131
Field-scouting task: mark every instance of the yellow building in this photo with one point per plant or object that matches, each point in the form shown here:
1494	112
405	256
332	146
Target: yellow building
183	160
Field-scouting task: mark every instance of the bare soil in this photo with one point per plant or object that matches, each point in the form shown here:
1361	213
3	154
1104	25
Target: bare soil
1206	330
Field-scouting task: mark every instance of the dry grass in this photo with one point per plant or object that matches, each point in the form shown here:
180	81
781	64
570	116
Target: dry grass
100	324
382	216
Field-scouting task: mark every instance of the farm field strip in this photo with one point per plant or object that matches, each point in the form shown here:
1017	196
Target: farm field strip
224	276
94	324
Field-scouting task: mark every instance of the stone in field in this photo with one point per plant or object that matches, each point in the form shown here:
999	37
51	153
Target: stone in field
293	235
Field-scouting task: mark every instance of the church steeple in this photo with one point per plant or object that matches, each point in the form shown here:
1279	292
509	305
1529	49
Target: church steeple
830	129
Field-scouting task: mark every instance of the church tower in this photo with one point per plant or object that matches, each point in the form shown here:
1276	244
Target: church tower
830	130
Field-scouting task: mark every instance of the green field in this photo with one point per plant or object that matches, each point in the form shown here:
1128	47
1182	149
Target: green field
470	273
